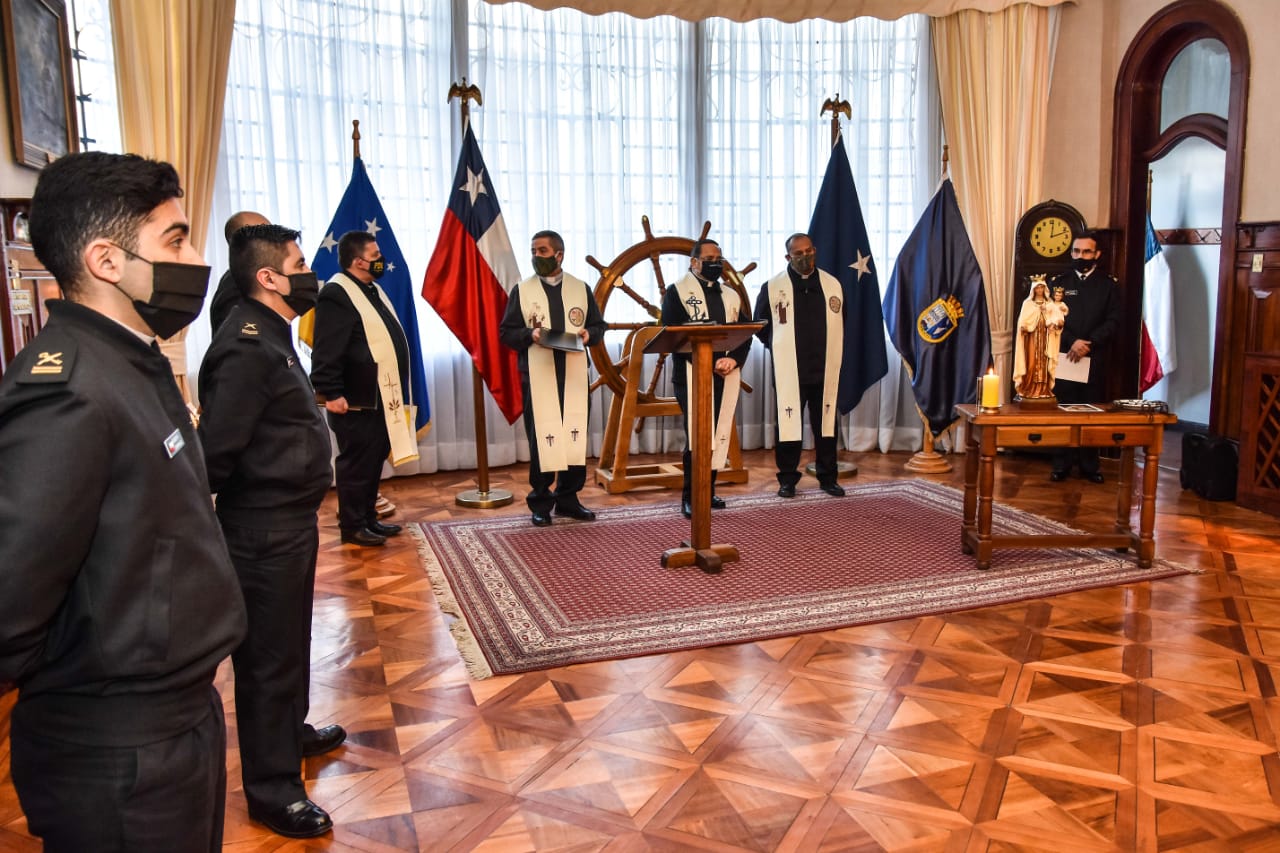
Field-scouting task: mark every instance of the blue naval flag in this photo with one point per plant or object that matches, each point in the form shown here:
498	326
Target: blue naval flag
360	210
936	311
840	236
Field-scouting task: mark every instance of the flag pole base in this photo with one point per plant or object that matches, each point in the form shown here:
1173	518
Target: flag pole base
843	469
492	499
928	462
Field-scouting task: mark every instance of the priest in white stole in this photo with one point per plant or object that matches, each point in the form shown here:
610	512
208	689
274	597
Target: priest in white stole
553	380
803	308
700	297
360	369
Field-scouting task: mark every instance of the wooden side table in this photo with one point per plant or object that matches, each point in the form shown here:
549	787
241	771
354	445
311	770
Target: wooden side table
1012	426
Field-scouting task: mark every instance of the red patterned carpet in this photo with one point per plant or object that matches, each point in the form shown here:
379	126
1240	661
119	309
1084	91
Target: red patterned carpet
530	598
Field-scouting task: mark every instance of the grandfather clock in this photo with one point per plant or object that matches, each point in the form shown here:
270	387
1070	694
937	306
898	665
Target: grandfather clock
1042	246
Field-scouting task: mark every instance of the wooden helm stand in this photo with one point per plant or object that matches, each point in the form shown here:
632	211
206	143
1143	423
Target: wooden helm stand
635	397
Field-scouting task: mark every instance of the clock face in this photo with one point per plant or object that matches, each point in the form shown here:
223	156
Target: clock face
1051	236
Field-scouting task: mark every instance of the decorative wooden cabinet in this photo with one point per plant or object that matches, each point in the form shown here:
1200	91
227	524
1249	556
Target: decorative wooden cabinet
27	283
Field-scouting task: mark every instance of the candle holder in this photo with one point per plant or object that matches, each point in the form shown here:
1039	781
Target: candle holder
986	410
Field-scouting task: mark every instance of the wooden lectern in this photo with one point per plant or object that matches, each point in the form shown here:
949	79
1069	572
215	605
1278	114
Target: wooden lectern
702	340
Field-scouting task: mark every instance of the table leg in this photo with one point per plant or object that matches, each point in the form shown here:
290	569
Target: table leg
1124	498
1147	511
986	497
970	487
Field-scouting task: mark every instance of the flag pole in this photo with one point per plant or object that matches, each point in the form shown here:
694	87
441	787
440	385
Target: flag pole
927	460
482	497
844	467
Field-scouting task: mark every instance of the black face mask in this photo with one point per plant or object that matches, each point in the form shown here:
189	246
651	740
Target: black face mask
304	290
545	266
177	295
377	268
711	270
1083	265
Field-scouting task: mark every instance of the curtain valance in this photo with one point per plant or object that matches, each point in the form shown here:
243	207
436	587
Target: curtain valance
782	10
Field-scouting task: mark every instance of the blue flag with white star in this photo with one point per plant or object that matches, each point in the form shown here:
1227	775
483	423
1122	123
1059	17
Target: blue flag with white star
360	210
840	236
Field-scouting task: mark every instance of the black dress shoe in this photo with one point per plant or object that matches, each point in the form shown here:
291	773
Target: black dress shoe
835	490
303	819
363	537
322	740
1058	476
580	512
786	490
541	519
686	508
717	502
1093	476
384	530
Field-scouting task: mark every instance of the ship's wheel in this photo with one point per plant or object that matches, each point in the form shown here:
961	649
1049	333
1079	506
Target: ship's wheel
629	293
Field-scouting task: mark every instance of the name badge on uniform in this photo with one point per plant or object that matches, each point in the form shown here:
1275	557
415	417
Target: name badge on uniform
174	443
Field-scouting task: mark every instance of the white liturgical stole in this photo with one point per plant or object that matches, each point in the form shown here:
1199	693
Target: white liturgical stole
399	416
693	298
786	378
561	434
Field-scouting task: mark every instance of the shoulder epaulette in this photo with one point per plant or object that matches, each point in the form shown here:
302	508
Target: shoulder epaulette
249	329
53	358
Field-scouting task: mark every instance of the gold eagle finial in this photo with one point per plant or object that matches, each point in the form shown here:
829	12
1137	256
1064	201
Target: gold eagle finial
465	92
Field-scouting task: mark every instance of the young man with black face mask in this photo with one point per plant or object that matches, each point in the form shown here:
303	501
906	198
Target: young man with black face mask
804	309
360	368
267	451
1093	300
117	597
699	297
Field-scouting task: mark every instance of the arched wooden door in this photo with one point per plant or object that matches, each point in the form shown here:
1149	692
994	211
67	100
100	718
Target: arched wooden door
1139	139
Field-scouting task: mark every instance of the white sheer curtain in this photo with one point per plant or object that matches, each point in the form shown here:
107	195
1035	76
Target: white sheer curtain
589	123
767	149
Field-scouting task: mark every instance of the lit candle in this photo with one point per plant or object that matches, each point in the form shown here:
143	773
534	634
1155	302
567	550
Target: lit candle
991	390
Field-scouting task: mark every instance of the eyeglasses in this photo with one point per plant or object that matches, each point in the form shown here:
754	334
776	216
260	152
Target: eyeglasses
806	254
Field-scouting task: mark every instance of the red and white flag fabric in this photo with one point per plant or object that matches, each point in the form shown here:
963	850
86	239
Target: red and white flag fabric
472	270
1158	358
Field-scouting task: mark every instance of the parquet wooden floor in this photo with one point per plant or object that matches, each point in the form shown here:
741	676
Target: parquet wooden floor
1134	718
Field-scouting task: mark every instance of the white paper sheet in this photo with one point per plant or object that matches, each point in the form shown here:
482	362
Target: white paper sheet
1073	371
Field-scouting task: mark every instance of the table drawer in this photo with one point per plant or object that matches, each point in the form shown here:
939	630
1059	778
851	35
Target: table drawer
1033	436
1117	436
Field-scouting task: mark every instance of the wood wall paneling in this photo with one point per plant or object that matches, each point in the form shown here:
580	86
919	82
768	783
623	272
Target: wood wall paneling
1258	482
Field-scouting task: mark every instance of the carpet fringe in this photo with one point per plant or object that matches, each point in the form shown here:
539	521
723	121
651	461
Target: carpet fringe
463	637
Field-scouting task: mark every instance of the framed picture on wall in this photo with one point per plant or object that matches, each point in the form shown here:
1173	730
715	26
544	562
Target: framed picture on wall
42	101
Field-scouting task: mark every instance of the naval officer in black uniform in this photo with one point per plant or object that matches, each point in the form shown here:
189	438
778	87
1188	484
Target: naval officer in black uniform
117	597
1092	297
267	451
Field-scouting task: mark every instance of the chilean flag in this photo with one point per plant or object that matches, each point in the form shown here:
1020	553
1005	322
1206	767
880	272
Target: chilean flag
471	271
1157	359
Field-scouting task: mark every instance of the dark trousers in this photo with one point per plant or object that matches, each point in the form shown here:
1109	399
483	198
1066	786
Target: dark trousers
542	499
363	446
1086	458
277	572
162	797
787	453
682	400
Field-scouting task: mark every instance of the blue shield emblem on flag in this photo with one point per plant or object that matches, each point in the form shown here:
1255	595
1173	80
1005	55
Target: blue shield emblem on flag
939	319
